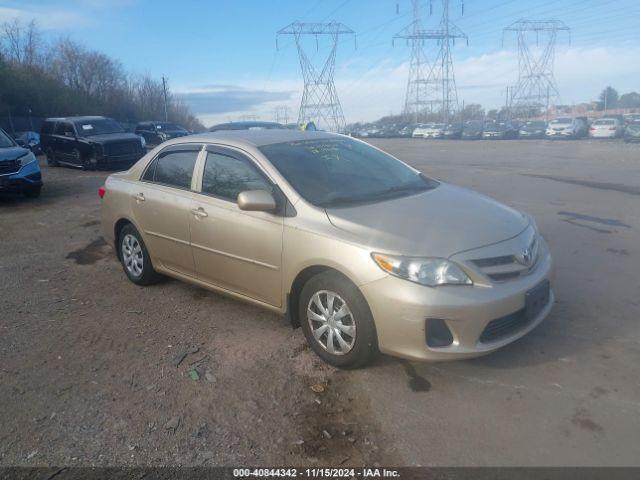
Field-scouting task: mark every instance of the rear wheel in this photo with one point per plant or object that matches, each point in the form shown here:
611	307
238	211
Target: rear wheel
337	322
135	258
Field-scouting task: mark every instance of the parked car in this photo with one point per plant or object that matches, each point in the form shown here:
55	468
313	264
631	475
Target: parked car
452	131
89	143
629	118
632	132
533	129
499	131
567	127
406	131
420	129
19	168
339	236
434	130
472	130
154	133
606	128
247	126
30	140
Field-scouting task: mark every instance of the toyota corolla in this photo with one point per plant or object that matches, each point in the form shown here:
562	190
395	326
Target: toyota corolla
363	252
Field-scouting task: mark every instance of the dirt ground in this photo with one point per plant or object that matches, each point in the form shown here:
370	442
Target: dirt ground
97	371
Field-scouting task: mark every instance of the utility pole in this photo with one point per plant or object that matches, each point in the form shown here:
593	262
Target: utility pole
438	86
536	85
164	91
320	103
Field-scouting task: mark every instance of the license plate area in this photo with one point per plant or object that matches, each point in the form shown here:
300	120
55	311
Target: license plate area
536	299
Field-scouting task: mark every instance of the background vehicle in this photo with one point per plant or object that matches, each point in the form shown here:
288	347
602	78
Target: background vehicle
89	143
632	132
30	140
247	126
533	129
19	168
406	131
567	127
499	131
452	131
472	130
420	130
629	118
154	133
606	128
434	130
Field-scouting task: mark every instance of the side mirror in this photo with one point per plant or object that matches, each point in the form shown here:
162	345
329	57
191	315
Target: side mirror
256	201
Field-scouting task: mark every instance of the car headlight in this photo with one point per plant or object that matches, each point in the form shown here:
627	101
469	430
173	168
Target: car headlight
425	271
143	142
27	159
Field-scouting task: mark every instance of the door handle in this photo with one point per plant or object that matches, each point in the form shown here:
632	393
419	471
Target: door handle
139	197
199	212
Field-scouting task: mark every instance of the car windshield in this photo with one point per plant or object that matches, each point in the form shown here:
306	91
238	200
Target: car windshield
338	172
438	126
536	124
104	126
168	126
604	122
5	140
561	121
473	124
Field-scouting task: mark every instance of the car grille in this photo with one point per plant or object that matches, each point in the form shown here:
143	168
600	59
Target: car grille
509	324
9	167
506	267
121	148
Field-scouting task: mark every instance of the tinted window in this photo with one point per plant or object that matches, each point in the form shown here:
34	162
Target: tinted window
47	127
225	176
174	168
60	128
5	141
335	172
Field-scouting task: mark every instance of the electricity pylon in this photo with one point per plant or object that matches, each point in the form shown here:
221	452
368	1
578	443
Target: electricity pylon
416	101
536	89
438	87
320	102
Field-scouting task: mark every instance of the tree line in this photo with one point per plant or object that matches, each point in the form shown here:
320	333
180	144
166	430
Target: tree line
63	78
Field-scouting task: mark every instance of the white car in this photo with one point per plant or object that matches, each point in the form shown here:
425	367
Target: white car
567	127
434	130
420	130
606	128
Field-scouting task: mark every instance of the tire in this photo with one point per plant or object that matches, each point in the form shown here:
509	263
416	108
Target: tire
136	264
362	345
84	162
51	158
32	192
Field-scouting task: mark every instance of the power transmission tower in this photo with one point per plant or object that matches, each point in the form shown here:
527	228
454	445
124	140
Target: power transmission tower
536	89
320	102
438	86
417	97
282	114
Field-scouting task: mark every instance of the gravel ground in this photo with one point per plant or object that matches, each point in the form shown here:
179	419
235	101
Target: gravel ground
97	371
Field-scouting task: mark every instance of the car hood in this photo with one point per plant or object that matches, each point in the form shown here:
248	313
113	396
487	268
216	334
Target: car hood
113	137
436	223
12	153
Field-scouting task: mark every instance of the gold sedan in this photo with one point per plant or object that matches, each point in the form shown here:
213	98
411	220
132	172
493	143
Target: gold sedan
361	250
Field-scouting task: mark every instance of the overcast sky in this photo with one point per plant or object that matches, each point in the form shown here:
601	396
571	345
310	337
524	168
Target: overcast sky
220	56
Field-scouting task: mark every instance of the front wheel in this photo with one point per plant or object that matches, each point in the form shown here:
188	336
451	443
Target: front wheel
135	258
337	322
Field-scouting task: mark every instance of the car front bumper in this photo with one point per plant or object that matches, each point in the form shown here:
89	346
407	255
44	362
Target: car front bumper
27	177
402	309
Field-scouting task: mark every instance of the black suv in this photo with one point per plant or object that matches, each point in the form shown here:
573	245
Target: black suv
89	143
154	133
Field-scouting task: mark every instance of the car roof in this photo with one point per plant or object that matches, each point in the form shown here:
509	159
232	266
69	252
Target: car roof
255	138
246	125
75	119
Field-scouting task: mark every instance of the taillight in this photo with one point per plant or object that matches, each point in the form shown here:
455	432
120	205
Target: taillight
593	129
101	191
612	128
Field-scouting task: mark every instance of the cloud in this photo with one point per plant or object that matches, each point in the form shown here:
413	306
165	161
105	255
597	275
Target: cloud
210	100
47	18
369	93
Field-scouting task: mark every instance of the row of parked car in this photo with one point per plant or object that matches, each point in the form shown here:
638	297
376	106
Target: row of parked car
563	127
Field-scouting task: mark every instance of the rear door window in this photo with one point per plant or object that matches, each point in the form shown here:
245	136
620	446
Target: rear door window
173	167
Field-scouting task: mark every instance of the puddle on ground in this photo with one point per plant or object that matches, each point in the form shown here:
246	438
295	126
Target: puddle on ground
90	254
